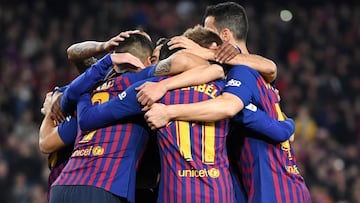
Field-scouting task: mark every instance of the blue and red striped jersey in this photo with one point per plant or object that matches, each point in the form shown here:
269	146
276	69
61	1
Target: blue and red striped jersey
107	157
57	160
268	170
126	105
193	155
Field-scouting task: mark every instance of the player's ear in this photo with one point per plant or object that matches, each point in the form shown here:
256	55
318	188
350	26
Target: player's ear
213	46
225	35
148	61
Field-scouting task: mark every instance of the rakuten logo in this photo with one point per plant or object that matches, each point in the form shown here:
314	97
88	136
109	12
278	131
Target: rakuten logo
234	83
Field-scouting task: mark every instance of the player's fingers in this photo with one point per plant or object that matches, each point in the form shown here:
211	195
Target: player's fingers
177	45
114	43
150	102
140	87
226	53
138	95
42	110
230	56
292	138
146	108
145	100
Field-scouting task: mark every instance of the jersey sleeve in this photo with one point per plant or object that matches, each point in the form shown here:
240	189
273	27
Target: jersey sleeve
240	82
96	116
260	122
147	72
68	130
84	83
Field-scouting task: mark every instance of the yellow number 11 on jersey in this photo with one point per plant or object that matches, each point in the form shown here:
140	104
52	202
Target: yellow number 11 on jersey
183	129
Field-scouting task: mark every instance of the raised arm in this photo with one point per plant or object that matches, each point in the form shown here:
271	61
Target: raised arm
87	49
87	80
83	54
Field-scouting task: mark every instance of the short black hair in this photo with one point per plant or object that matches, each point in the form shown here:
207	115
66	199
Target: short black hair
229	15
165	52
136	44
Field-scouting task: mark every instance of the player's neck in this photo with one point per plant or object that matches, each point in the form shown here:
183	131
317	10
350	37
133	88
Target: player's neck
242	46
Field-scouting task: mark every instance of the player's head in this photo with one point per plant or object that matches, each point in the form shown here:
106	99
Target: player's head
139	45
156	53
199	34
228	19
203	36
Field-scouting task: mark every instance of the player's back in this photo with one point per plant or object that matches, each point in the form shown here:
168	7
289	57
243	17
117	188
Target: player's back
268	170
107	157
193	155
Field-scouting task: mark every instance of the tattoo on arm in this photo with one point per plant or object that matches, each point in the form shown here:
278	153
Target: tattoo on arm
83	51
163	67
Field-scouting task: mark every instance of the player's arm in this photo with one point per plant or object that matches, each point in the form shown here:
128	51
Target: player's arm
87	80
51	136
83	50
266	67
225	106
260	122
193	71
91	117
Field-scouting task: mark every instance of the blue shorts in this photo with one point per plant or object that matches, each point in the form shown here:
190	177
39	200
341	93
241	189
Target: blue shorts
82	194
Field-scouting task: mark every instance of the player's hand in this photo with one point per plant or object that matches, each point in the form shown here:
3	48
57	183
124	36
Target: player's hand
56	114
47	104
150	92
183	42
114	42
121	58
292	138
157	116
225	52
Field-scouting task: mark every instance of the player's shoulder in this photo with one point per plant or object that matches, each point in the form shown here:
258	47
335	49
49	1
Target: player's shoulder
243	69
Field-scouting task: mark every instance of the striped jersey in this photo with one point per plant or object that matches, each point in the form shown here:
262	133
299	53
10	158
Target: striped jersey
267	170
196	151
57	160
107	157
193	155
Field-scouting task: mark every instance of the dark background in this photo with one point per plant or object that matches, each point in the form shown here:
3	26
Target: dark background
317	54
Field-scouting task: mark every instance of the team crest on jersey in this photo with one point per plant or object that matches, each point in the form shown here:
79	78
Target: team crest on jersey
234	83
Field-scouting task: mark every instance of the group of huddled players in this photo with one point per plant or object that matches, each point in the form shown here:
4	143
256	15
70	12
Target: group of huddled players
194	118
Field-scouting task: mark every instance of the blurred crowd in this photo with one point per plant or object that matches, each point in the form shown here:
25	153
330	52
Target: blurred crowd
317	54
